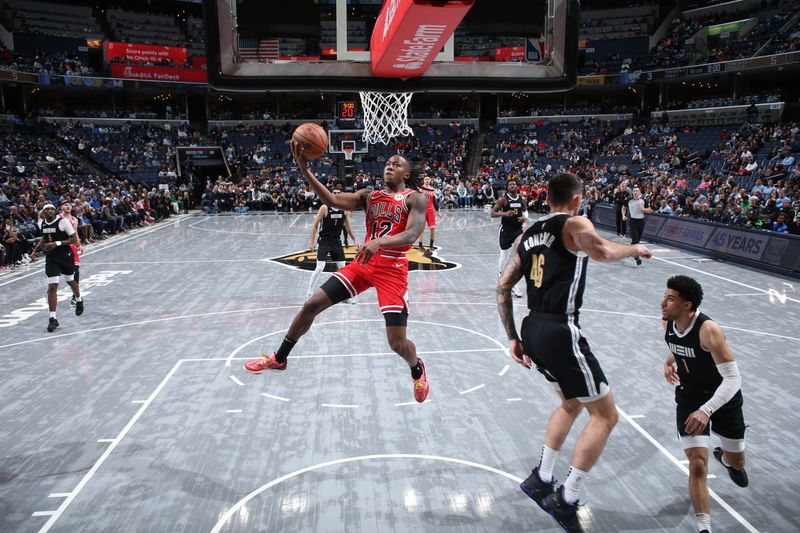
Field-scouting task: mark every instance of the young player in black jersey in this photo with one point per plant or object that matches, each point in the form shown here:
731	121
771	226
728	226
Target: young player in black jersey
708	395
330	222
512	207
58	236
552	256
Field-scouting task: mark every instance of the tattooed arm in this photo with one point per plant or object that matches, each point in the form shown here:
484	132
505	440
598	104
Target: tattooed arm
505	308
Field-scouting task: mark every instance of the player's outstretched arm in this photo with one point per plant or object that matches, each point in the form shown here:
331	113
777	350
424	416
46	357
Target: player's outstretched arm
348	201
580	235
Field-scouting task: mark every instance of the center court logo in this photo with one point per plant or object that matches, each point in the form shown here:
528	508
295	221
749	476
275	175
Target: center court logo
307	260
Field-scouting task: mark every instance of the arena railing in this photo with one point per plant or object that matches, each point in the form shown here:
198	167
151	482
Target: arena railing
296	121
565	118
111	121
720	116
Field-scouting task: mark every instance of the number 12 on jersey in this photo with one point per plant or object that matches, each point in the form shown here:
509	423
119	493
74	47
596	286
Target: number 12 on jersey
537	270
379	229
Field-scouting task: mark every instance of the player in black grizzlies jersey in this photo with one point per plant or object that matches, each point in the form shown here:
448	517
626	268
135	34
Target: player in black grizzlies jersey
330	222
57	236
708	394
552	256
512	207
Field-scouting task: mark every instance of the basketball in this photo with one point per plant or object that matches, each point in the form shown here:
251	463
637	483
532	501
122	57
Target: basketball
313	138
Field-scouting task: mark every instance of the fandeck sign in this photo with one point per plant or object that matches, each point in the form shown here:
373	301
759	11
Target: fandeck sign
136	72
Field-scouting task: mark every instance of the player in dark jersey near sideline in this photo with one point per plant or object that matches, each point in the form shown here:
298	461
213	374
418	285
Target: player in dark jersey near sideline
552	256
331	222
708	395
431	213
513	209
395	218
57	238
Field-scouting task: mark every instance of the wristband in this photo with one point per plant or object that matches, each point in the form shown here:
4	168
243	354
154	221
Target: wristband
58	243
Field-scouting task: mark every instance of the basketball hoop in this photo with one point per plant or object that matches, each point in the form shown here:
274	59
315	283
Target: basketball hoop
385	116
348	153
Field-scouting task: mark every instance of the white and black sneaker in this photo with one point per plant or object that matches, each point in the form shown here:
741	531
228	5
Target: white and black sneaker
737	476
52	325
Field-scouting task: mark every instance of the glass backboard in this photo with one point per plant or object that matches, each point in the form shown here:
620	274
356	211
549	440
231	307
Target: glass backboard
323	46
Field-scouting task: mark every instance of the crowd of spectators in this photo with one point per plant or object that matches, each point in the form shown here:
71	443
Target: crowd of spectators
746	176
54	63
126	147
168	111
672	50
722	101
103	206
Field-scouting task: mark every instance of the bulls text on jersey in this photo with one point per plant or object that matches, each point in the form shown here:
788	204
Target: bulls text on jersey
385	210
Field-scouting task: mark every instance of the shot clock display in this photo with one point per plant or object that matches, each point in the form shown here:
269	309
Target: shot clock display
346	113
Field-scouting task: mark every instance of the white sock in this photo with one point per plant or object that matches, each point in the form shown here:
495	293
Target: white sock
574	484
52	314
703	521
503	261
547	461
312	283
78	298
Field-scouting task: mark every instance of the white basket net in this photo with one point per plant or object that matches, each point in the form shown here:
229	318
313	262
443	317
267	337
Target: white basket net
385	116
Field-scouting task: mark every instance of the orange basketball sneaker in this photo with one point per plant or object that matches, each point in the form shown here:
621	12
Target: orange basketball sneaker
265	362
421	387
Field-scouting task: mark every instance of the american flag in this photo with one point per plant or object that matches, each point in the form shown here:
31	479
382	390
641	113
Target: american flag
258	49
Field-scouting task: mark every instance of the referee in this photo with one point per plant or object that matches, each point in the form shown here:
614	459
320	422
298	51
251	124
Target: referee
634	212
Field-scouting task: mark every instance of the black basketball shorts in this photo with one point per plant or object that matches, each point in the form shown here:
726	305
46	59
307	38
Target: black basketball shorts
62	264
562	355
507	237
330	249
727	421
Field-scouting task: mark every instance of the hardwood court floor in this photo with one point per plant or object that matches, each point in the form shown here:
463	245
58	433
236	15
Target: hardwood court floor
137	416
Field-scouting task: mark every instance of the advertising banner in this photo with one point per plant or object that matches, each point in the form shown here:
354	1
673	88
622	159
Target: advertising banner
686	232
135	72
509	53
746	244
728	27
408	35
144	52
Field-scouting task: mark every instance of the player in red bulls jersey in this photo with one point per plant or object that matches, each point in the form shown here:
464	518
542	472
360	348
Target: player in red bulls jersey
431	212
395	218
